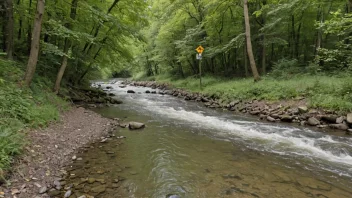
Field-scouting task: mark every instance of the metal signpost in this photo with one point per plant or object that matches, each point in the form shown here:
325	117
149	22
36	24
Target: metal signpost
200	50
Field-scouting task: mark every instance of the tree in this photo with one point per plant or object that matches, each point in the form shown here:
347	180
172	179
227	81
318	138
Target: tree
9	29
33	56
249	42
66	48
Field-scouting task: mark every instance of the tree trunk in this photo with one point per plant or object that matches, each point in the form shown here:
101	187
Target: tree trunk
33	56
9	29
245	57
62	69
3	26
67	45
29	33
19	35
249	42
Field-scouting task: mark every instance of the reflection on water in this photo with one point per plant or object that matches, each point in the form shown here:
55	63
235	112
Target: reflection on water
190	151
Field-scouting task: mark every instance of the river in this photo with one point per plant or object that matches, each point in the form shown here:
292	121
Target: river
188	150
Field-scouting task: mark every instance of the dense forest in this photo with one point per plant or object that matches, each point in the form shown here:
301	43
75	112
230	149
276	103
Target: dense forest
70	38
293	36
292	48
77	38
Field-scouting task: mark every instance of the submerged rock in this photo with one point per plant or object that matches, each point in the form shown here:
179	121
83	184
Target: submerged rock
98	189
341	126
131	91
68	194
136	125
43	190
172	196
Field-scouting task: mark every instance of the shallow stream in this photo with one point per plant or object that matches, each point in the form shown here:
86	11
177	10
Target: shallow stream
188	150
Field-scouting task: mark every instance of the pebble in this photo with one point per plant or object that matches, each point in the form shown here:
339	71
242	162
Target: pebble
74	157
15	191
68	194
83	196
43	190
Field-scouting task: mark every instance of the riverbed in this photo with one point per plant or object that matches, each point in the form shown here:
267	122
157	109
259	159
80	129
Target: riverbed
188	150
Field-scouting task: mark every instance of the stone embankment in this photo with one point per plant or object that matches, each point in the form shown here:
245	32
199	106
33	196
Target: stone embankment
295	111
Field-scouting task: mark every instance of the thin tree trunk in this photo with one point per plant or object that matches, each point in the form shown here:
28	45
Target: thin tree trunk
29	33
33	56
67	46
249	42
245	60
3	25
19	35
9	29
62	69
263	57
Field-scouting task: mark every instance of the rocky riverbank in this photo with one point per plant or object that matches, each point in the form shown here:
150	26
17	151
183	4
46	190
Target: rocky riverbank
91	97
293	111
40	171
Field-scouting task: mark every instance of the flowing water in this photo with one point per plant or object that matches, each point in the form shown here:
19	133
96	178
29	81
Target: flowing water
188	150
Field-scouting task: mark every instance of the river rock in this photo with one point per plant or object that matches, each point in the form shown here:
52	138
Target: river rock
131	91
341	126
340	120
54	193
204	99
135	125
303	109
172	196
147	91
153	92
313	121
43	190
98	189
349	118
349	132
108	87
57	184
329	118
68	194
286	118
270	119
254	112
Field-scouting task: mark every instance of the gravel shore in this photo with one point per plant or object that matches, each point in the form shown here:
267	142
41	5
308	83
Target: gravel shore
50	149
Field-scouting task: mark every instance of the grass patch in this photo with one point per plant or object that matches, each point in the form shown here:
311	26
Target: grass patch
327	92
22	108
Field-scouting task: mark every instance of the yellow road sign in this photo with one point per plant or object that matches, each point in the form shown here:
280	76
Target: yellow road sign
200	49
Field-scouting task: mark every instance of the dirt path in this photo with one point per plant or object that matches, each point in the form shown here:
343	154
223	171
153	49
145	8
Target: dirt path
50	149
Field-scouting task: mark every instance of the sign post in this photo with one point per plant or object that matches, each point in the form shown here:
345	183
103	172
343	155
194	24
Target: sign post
200	50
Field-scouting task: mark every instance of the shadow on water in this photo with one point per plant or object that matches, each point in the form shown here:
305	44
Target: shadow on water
187	150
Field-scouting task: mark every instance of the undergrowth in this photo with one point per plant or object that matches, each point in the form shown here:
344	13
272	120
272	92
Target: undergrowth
23	108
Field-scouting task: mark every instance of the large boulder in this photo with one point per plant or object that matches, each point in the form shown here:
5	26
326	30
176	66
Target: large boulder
349	118
136	125
313	121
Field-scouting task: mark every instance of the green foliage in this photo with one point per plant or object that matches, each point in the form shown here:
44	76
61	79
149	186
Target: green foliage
22	108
